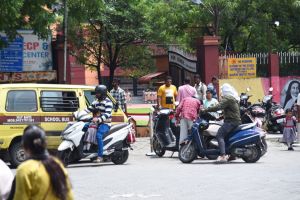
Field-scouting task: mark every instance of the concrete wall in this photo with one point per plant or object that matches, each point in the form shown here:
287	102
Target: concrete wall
260	86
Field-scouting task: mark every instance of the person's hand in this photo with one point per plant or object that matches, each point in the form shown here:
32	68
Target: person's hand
96	119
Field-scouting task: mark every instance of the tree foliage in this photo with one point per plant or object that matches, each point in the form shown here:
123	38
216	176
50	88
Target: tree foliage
244	25
101	30
20	14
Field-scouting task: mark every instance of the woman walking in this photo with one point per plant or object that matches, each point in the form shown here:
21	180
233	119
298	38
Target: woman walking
42	176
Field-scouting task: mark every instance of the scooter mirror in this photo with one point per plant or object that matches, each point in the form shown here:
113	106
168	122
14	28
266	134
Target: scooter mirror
271	89
116	107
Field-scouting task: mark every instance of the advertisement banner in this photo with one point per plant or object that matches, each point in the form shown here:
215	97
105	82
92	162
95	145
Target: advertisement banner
239	68
11	57
27	53
15	77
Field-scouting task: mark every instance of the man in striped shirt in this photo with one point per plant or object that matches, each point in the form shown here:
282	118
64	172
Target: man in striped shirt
119	95
104	105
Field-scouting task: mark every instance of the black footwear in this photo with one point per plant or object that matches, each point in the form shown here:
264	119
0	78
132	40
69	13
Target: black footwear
290	149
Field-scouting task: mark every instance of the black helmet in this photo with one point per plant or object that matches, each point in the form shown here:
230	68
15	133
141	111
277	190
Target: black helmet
101	90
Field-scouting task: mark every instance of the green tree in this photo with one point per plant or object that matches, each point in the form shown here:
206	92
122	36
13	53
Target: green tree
100	30
20	14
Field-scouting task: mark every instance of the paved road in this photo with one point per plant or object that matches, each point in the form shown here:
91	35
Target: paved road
275	177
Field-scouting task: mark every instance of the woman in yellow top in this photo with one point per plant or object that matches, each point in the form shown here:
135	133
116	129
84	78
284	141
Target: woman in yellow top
41	177
166	94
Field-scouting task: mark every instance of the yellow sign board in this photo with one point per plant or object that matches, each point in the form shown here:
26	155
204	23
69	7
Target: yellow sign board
241	68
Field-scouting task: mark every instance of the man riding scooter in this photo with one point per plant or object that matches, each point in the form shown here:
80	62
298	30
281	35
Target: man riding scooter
230	105
105	106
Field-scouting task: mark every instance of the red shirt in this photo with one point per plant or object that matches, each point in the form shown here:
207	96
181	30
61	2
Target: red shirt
188	108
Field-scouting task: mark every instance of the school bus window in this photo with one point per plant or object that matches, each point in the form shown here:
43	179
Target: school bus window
59	101
21	101
89	96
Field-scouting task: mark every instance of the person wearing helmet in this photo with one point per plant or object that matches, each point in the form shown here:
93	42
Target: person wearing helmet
232	119
104	107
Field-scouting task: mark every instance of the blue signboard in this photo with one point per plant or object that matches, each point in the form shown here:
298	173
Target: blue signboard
11	57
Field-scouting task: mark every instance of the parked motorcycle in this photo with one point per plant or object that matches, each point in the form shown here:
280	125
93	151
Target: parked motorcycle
244	97
253	114
165	132
247	142
275	114
116	142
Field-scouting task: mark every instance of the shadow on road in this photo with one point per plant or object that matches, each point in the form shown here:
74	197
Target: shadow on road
90	164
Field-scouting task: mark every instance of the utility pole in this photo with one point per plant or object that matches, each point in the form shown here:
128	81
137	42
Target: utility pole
65	39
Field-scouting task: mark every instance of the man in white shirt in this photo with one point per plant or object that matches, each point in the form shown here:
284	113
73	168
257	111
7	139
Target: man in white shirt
200	88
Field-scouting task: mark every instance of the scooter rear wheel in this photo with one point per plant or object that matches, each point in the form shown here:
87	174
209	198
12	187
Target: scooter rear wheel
187	153
120	157
157	148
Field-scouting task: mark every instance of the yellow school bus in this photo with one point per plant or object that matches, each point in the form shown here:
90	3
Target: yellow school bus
47	105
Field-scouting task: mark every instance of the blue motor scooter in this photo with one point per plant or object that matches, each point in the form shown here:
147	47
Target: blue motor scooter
247	141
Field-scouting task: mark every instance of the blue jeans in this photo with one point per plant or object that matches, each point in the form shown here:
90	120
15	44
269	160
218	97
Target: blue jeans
102	129
223	131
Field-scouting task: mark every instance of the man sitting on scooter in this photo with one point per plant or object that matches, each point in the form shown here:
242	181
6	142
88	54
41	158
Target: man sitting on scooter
104	105
232	119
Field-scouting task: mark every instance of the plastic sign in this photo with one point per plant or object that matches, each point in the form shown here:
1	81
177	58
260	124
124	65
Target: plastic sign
26	53
241	68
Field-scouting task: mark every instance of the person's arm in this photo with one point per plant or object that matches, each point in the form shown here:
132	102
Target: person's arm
219	106
123	101
175	92
199	106
159	96
177	98
179	109
91	107
204	91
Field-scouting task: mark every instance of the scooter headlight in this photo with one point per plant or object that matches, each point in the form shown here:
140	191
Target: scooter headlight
203	125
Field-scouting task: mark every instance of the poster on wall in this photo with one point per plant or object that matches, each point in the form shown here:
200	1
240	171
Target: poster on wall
241	68
26	53
11	57
290	93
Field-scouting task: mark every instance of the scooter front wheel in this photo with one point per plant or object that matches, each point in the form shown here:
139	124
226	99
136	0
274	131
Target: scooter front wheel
187	153
157	148
255	154
65	156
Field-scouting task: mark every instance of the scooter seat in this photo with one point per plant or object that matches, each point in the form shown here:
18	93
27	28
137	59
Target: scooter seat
244	127
115	128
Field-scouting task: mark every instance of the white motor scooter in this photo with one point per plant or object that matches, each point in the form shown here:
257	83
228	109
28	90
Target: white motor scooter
116	142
